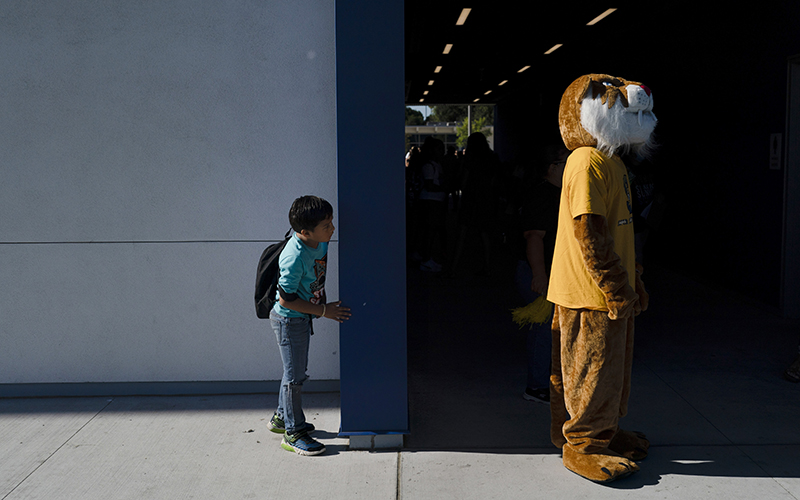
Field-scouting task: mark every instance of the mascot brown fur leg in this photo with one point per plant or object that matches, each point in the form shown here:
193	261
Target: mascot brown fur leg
629	444
589	391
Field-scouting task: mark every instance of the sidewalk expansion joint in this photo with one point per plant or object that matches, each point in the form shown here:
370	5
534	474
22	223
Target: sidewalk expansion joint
58	449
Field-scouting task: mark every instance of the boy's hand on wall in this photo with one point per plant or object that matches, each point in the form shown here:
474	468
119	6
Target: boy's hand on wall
337	312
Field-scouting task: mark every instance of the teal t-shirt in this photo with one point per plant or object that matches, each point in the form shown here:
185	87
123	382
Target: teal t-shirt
302	272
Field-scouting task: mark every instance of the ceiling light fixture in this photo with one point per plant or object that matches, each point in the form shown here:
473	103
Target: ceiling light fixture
422	100
448	48
426	92
600	17
463	17
502	83
487	92
430	82
476	100
523	69
554	48
438	69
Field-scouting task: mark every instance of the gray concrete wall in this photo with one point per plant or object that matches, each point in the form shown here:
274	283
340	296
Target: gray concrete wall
147	152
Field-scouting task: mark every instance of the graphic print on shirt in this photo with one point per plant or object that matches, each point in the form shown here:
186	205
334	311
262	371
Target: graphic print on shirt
629	219
318	286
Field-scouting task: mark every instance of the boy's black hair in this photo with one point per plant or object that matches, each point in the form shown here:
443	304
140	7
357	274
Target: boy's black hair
308	211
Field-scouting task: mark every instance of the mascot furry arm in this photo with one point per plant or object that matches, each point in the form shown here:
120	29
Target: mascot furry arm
603	264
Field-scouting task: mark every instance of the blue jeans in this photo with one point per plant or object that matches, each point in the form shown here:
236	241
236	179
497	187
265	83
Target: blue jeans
540	337
293	335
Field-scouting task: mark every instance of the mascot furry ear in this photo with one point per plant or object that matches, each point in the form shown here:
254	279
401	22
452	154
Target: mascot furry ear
611	114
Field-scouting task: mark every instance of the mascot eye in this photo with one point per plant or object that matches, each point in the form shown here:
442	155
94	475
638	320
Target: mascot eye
608	84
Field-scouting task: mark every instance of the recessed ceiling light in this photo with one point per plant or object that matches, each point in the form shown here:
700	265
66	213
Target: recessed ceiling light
438	69
554	48
502	83
523	69
487	92
426	92
600	17
430	82
422	100
463	17
476	100
448	48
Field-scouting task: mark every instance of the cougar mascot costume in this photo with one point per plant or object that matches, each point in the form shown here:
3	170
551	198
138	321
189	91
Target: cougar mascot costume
595	283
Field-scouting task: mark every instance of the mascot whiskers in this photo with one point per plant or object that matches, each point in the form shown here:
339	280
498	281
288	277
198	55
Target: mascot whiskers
595	281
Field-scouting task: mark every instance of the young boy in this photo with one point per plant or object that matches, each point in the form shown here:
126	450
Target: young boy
301	296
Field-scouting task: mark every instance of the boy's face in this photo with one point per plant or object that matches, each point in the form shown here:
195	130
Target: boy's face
322	233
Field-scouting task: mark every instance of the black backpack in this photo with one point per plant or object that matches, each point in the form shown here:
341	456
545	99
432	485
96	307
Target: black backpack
267	277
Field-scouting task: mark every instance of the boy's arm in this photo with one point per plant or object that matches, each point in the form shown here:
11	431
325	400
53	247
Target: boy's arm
291	270
331	310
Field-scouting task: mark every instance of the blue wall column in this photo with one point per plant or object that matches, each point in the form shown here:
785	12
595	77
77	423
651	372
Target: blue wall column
371	219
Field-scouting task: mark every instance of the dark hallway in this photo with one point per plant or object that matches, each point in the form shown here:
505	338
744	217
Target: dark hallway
710	351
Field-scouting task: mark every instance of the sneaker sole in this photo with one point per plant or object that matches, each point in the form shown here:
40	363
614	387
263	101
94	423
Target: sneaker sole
306	453
528	397
276	430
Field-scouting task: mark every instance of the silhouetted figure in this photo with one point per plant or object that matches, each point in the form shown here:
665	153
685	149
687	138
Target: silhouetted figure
648	204
432	206
413	188
479	209
453	175
538	224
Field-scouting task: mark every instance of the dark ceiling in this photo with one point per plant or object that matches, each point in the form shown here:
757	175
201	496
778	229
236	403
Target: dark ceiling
500	37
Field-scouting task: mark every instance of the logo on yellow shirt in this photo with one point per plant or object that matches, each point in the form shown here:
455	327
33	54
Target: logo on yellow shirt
628	220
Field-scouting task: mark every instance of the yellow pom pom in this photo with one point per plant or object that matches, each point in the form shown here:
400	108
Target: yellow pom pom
535	313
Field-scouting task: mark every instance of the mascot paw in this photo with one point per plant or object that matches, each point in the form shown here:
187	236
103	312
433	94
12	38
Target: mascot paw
623	304
602	467
631	445
623	309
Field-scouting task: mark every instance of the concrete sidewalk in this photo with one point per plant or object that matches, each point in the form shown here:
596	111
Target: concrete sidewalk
214	447
706	390
218	448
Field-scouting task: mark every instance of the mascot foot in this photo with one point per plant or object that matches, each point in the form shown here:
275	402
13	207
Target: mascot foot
631	445
602	467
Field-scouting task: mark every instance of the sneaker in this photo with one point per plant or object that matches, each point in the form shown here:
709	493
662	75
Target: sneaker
538	395
431	266
792	374
302	444
278	426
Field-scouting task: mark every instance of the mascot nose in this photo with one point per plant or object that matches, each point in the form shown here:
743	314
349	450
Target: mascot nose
639	98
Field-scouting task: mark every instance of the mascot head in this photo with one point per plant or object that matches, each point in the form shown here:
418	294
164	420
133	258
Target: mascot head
608	113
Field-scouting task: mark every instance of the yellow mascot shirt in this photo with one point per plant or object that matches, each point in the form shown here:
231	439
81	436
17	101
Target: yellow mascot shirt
593	183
